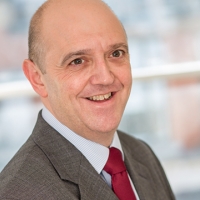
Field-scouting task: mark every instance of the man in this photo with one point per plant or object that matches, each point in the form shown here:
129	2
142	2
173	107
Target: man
79	65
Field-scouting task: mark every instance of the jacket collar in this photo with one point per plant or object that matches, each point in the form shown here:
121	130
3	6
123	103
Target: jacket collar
69	163
139	173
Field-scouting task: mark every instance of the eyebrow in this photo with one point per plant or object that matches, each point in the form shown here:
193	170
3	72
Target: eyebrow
116	46
72	54
87	51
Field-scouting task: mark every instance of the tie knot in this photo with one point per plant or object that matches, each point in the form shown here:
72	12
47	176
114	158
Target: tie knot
114	163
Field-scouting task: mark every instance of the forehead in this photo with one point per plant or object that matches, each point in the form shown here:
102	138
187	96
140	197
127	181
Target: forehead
79	21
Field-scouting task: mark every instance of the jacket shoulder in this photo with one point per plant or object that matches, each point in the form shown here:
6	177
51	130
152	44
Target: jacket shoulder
139	152
31	175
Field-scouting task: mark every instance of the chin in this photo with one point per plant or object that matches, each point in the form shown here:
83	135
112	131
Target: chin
106	127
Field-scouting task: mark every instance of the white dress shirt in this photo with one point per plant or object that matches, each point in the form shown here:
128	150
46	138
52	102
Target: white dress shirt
95	153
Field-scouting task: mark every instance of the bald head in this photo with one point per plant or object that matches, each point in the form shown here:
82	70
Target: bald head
35	42
53	15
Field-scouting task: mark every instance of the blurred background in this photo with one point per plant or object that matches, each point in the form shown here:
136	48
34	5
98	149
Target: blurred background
164	107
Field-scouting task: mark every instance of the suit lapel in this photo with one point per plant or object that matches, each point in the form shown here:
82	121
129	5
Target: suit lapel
91	184
139	174
70	164
141	178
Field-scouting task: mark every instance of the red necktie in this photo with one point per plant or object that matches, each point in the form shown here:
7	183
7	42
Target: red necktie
120	181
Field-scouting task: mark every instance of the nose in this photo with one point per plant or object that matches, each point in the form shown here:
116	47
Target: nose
102	74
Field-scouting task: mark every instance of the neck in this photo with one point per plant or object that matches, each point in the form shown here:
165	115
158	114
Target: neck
104	139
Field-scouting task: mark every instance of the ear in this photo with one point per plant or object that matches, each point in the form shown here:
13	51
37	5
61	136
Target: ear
35	77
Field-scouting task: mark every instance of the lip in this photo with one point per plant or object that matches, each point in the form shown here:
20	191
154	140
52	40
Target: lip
102	102
100	90
100	97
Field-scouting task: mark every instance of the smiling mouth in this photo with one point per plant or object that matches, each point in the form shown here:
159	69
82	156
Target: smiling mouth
100	97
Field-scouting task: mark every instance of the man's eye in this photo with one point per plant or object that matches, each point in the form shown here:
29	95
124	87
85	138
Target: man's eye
117	53
77	61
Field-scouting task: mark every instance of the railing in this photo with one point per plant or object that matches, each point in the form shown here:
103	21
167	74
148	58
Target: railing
23	88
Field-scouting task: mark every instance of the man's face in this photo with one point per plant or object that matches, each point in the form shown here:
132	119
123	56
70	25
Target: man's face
88	76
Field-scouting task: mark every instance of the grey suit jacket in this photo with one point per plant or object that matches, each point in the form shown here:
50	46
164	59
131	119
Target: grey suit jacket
49	167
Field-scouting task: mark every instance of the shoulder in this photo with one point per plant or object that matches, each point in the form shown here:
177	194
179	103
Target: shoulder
24	171
137	151
32	172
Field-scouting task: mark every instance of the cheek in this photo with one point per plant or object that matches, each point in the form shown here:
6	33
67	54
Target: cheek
54	89
73	85
125	76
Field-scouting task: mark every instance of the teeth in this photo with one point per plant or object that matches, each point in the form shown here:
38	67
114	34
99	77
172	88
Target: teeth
100	97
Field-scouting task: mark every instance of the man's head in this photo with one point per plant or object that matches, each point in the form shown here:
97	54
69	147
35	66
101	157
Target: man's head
35	41
85	77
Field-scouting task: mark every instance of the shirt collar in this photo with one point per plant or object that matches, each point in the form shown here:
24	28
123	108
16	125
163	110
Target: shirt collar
95	153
